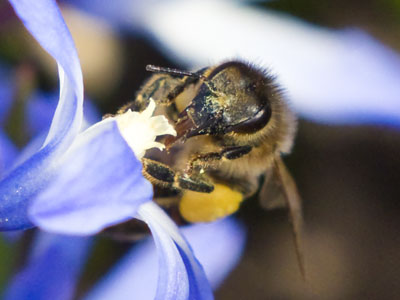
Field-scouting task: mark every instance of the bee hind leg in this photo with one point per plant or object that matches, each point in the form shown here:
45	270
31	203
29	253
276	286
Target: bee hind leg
161	175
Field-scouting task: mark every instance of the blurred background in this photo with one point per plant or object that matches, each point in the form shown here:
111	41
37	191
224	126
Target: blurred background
347	174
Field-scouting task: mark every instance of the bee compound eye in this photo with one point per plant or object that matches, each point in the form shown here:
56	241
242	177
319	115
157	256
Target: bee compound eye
254	123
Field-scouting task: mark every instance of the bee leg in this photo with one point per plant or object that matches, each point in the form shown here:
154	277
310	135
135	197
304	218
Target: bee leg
163	89
163	176
212	159
168	101
235	151
158	173
159	84
196	184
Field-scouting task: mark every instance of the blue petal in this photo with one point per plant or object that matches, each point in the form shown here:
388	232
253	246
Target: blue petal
135	276
91	114
218	246
12	236
6	94
8	153
19	186
173	279
39	120
180	274
98	184
52	270
43	19
41	106
39	112
30	149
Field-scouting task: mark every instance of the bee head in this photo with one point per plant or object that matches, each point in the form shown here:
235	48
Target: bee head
234	97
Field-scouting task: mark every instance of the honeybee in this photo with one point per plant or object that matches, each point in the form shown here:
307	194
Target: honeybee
233	125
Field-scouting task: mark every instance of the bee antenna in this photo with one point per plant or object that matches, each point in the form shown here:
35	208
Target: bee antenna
176	72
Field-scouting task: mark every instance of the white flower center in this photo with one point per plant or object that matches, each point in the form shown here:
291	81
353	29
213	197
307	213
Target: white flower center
140	129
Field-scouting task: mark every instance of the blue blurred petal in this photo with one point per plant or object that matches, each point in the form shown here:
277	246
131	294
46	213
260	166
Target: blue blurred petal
99	183
330	76
218	246
40	109
39	112
341	76
52	270
43	19
8	153
12	236
6	94
135	276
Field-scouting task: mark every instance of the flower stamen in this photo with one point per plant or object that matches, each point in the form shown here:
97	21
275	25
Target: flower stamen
140	129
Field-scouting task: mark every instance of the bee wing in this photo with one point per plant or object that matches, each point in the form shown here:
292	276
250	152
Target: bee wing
279	190
272	195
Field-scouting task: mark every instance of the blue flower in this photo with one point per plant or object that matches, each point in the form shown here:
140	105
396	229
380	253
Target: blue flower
81	182
104	184
24	182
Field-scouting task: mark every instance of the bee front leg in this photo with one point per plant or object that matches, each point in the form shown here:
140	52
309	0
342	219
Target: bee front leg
162	88
163	176
158	173
156	88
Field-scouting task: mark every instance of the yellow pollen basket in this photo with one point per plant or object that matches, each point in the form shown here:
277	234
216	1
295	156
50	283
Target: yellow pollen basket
207	207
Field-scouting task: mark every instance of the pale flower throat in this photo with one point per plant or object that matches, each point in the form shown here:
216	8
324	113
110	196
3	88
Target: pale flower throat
140	129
